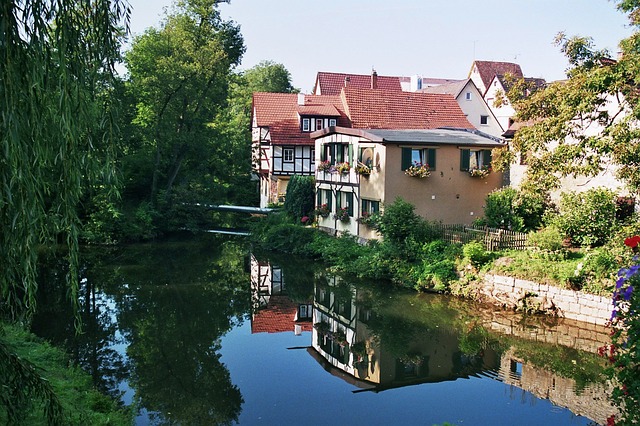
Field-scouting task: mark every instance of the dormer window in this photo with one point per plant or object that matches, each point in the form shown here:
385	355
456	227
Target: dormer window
319	123
332	122
306	124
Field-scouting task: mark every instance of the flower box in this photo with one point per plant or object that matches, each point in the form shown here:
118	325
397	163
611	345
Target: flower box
418	170
480	172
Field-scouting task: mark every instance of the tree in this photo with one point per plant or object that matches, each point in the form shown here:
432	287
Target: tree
56	130
599	93
179	77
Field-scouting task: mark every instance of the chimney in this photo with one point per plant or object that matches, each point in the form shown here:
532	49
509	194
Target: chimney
374	79
301	99
347	79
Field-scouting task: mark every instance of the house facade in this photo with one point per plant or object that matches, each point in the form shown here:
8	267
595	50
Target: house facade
472	104
281	143
457	163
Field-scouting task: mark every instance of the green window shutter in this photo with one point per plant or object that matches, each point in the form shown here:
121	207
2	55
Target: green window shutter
334	155
323	153
431	158
486	157
350	203
464	159
339	153
329	199
319	197
406	158
338	200
351	159
375	206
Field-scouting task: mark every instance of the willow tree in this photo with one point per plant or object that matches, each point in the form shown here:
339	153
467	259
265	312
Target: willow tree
57	57
588	122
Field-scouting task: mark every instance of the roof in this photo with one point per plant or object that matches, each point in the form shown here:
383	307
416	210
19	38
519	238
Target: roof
281	113
532	83
489	69
383	109
442	136
277	317
453	88
330	83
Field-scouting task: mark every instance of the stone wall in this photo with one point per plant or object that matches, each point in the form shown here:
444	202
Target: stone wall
516	293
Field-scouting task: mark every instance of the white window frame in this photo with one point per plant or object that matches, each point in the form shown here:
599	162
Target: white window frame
486	120
319	123
306	124
288	155
332	122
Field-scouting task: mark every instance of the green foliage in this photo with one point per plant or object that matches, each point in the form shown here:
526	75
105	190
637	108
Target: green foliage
401	227
437	266
587	218
42	388
548	243
178	86
269	76
475	253
300	198
508	208
560	142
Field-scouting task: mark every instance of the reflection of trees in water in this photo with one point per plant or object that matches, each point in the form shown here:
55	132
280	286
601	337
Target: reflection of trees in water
173	302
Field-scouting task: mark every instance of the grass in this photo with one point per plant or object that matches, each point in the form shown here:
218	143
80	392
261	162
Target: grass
81	402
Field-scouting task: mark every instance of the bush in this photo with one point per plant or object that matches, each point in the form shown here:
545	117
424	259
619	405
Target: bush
475	253
587	218
300	199
508	208
548	239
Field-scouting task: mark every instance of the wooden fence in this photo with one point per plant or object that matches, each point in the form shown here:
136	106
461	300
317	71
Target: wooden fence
493	238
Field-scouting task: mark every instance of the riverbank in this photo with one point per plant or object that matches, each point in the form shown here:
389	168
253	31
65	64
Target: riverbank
81	403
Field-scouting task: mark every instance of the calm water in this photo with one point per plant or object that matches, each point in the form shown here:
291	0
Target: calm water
203	331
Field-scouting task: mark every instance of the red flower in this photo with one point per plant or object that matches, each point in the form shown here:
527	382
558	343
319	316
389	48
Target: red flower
632	241
611	420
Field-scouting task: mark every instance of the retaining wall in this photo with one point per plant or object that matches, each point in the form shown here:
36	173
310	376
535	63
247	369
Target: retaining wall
513	292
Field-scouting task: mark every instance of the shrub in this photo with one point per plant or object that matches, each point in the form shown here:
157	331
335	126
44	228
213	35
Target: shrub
547	239
300	198
475	253
508	208
587	218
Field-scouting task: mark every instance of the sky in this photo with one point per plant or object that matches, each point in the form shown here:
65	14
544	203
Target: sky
430	38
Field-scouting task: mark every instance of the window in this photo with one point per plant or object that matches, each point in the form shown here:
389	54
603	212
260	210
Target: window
306	124
319	123
324	197
332	122
412	156
336	153
468	96
287	154
370	206
474	159
484	119
344	200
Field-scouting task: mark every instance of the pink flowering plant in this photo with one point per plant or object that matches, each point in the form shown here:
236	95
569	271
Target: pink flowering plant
343	167
324	166
322	210
624	351
342	215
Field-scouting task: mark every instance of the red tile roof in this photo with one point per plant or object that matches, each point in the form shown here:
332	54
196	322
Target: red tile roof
277	317
330	83
382	109
357	108
489	69
281	113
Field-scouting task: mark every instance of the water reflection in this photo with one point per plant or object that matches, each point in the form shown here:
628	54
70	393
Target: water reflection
158	317
376	342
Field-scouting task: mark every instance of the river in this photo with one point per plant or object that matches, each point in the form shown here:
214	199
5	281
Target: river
203	331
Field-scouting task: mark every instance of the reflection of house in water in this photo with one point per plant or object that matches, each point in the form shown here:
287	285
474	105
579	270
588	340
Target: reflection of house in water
590	402
272	310
342	343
